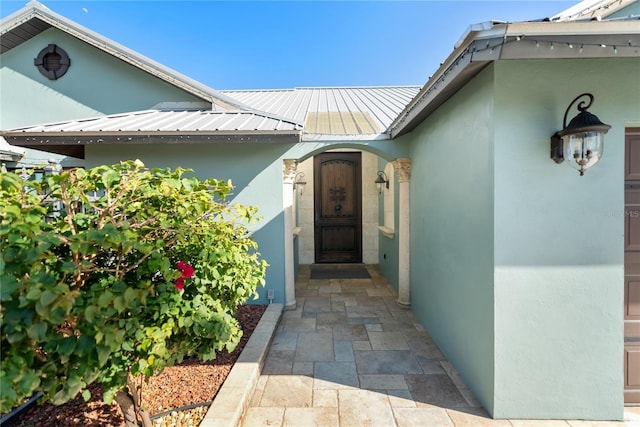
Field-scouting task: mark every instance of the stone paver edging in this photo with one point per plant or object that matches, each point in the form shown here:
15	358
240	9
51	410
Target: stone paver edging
233	398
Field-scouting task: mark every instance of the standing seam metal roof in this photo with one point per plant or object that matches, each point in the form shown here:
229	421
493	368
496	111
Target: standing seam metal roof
333	111
168	121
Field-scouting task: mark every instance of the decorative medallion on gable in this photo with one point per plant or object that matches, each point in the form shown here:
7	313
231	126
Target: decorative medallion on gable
52	62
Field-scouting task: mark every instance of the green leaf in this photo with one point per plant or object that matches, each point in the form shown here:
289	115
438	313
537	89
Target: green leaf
86	395
15	337
47	298
130	295
119	304
37	331
34	294
105	299
29	382
8	287
67	345
109	177
90	313
103	354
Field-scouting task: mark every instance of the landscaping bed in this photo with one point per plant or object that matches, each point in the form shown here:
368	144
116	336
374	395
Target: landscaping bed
192	383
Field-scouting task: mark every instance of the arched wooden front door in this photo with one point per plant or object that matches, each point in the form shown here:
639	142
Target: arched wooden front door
338	207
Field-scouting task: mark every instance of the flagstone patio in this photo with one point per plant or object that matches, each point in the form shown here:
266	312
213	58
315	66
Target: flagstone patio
350	356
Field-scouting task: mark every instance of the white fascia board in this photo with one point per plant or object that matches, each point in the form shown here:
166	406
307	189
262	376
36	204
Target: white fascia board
9	152
572	40
499	42
574	28
42	140
591	9
455	64
20	16
475	29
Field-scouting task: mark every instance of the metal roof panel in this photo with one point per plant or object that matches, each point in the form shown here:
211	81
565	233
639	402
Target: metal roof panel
345	111
167	121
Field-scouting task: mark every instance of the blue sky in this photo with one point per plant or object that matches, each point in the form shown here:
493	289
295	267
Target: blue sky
286	44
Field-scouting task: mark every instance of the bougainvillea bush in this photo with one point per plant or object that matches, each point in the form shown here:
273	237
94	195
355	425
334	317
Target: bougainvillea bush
115	272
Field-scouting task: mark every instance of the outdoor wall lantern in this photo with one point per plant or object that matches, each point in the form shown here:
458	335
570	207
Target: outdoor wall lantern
582	140
381	180
298	183
51	168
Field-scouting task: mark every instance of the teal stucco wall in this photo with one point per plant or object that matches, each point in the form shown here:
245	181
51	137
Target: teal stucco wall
255	171
452	232
517	262
559	242
95	84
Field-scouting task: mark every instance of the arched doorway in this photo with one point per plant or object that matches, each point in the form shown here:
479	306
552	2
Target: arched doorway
307	210
338	207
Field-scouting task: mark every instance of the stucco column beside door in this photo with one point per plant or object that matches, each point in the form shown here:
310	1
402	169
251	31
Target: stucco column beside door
403	171
288	176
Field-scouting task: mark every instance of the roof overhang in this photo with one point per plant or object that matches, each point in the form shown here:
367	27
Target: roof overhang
73	144
592	9
524	40
9	153
157	126
35	18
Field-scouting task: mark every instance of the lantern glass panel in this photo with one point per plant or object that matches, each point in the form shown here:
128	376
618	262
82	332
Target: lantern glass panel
583	150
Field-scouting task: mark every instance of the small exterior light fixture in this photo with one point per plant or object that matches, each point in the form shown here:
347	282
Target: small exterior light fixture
51	168
298	183
581	142
24	175
380	180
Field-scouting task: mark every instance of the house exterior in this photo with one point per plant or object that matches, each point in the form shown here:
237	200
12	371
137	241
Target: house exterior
518	267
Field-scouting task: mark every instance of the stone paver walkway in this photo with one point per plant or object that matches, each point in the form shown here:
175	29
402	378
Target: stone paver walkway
349	356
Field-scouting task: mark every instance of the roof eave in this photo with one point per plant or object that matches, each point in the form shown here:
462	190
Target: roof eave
9	153
459	67
478	49
591	9
35	10
47	139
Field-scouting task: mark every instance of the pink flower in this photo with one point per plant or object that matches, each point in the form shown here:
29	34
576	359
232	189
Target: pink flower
186	272
186	269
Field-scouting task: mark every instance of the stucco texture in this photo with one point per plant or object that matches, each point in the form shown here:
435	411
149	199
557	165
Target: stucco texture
452	232
517	262
559	242
255	171
95	84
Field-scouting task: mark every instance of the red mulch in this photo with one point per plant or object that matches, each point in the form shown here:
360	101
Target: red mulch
189	383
